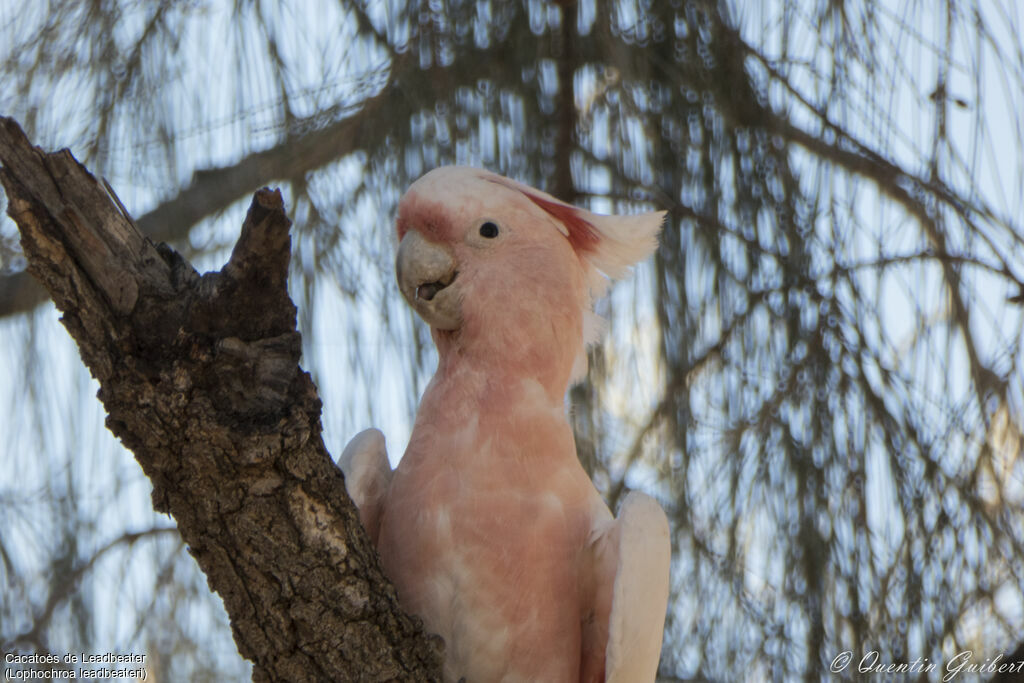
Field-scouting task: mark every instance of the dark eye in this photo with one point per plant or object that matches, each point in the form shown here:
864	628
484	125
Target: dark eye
489	230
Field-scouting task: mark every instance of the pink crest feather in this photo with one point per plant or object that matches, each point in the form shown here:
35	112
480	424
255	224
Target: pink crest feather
581	233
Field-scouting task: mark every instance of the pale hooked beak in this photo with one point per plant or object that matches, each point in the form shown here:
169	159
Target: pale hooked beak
426	275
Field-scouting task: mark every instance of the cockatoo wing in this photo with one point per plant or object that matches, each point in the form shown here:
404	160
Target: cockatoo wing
367	476
640	591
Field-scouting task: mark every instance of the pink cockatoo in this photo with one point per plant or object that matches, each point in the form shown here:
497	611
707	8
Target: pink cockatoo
489	527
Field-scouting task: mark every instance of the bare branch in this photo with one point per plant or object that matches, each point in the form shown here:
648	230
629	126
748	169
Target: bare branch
201	380
214	190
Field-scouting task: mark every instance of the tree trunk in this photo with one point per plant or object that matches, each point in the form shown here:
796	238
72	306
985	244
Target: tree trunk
200	379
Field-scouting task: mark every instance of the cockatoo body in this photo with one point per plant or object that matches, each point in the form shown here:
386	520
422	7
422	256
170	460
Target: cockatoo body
489	527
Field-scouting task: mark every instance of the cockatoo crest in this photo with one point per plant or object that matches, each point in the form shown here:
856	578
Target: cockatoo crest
609	244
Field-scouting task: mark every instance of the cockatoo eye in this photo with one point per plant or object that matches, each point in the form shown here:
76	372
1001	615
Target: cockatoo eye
489	230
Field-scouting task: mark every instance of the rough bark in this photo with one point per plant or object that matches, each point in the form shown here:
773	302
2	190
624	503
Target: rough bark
200	379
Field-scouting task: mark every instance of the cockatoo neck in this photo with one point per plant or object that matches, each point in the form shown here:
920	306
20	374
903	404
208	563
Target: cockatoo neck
498	361
502	400
481	417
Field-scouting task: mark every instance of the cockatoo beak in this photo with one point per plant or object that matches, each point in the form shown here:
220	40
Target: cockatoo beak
426	274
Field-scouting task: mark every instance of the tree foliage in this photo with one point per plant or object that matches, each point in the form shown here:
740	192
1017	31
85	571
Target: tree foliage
819	376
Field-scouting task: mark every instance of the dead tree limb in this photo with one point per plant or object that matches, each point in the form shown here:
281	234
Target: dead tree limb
200	379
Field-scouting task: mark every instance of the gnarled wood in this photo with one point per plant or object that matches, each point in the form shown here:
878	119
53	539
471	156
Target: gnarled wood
200	378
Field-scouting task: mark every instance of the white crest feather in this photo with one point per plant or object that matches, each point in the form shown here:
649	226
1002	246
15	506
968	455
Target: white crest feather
622	242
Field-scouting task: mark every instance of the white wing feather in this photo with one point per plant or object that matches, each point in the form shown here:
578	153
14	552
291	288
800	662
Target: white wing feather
367	476
640	593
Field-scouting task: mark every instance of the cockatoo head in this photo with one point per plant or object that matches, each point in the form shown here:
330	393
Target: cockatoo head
506	274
